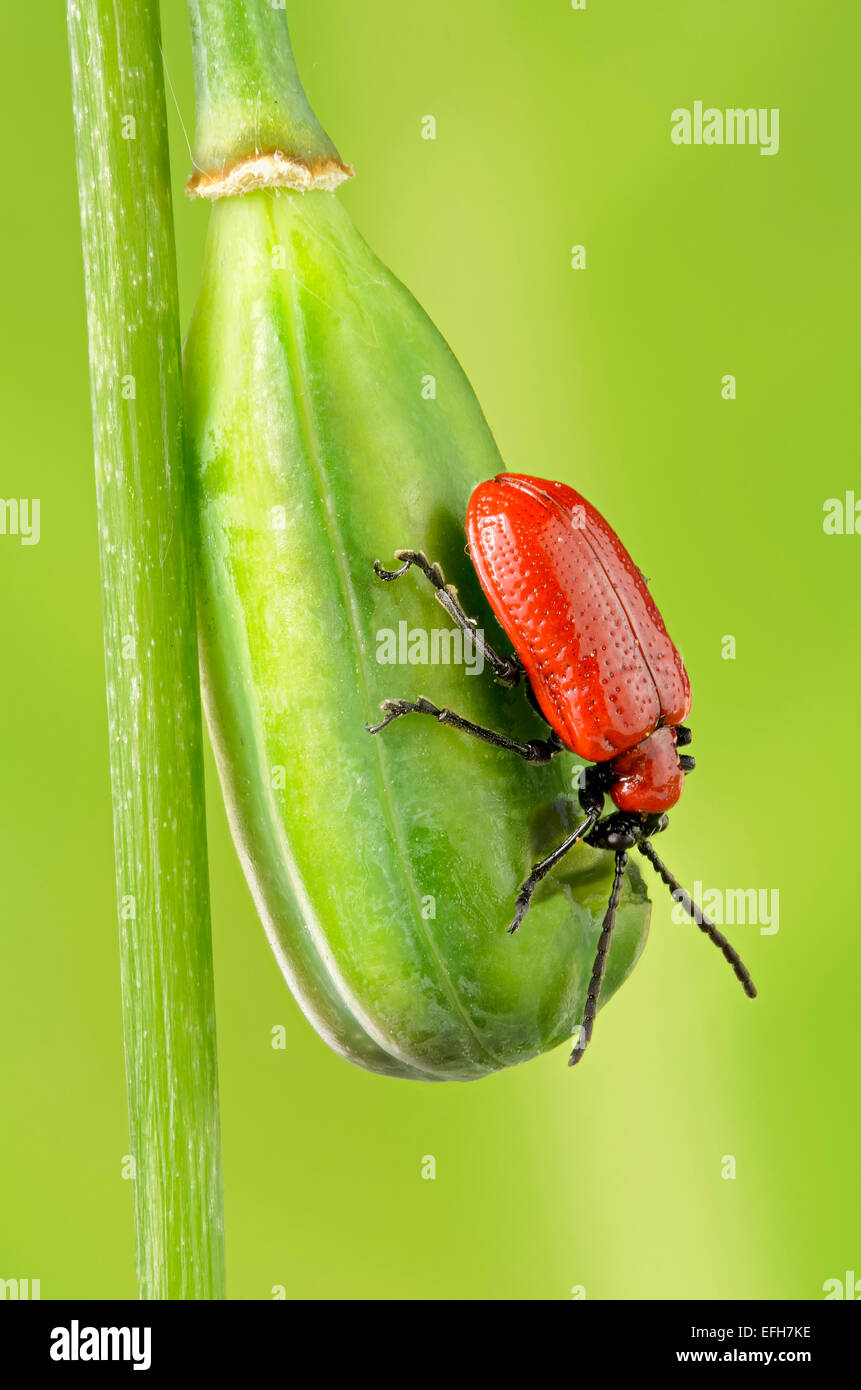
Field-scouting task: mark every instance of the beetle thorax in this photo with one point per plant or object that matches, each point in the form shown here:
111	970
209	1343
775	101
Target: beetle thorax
648	778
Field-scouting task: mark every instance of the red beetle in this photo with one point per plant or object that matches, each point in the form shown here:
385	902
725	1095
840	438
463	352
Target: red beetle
599	667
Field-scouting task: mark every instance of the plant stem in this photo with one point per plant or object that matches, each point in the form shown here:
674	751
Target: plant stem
150	646
254	126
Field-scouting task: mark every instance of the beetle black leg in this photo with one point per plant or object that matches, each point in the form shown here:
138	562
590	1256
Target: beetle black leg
697	915
538	750
600	965
507	671
528	887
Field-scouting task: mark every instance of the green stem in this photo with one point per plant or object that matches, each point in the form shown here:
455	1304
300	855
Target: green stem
254	125
150	646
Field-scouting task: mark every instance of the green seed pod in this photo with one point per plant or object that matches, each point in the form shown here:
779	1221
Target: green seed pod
329	425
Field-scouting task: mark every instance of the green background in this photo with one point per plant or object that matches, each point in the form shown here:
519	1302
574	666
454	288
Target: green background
553	128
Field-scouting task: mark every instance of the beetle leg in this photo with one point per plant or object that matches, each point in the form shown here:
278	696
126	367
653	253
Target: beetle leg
600	961
528	887
507	671
538	750
596	783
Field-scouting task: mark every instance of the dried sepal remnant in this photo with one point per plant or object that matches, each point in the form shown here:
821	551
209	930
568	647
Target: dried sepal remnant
269	169
254	125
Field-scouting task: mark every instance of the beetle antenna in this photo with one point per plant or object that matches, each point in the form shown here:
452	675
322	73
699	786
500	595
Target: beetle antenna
742	974
600	961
